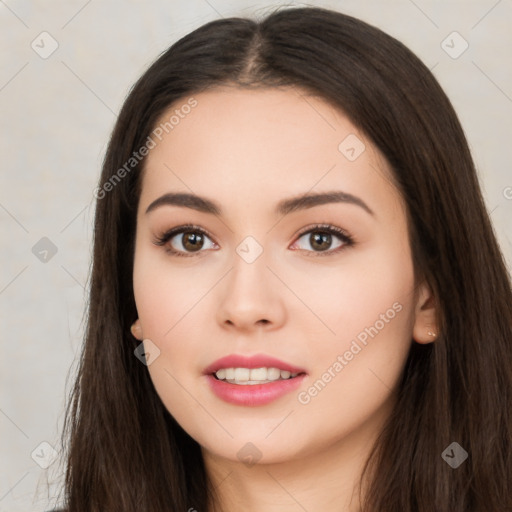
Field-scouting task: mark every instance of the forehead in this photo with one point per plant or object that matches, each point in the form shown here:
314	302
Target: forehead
259	145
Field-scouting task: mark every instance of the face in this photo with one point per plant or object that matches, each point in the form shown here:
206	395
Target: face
324	285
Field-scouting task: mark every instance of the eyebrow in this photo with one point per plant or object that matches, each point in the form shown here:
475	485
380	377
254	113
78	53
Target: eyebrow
302	202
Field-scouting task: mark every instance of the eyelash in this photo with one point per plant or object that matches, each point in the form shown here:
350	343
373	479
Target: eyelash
347	240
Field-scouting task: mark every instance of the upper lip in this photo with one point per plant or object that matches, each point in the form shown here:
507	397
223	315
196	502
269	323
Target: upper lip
254	361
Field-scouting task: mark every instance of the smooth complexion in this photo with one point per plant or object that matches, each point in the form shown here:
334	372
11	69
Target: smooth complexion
298	301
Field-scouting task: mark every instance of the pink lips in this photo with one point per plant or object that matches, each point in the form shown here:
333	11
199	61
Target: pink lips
252	394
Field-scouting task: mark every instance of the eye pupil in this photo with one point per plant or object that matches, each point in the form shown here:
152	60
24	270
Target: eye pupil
317	238
195	239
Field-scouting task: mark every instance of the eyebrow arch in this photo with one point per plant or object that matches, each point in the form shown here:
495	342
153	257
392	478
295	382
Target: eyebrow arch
302	202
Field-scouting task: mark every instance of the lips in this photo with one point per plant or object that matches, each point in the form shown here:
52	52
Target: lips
255	394
255	361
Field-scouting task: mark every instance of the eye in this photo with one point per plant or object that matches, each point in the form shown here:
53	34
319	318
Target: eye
184	240
320	239
188	240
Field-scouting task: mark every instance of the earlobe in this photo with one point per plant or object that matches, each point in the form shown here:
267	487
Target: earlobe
136	330
425	328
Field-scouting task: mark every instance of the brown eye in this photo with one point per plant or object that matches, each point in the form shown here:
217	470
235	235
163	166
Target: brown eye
321	239
189	241
185	241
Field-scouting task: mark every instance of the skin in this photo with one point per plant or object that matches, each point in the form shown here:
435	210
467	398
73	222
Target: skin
247	150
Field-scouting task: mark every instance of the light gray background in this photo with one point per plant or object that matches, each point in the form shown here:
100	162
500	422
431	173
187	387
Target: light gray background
57	114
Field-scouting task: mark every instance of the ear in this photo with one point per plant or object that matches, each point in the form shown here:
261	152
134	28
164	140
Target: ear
136	330
425	328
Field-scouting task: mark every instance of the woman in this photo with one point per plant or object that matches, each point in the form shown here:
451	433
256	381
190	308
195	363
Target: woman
297	299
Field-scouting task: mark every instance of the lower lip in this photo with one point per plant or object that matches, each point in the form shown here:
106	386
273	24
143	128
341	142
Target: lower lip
253	394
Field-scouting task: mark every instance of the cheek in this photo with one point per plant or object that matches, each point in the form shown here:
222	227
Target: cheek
168	306
362	289
170	300
166	292
353	377
367	310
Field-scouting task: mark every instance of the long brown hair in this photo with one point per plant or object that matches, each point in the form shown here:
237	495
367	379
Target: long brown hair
126	452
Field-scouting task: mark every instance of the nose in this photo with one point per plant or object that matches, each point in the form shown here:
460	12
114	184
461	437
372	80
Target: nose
251	297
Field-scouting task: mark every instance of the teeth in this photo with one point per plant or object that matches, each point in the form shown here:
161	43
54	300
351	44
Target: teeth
258	374
242	374
273	373
253	375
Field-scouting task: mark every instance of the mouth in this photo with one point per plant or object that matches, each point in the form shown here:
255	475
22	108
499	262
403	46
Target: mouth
252	380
